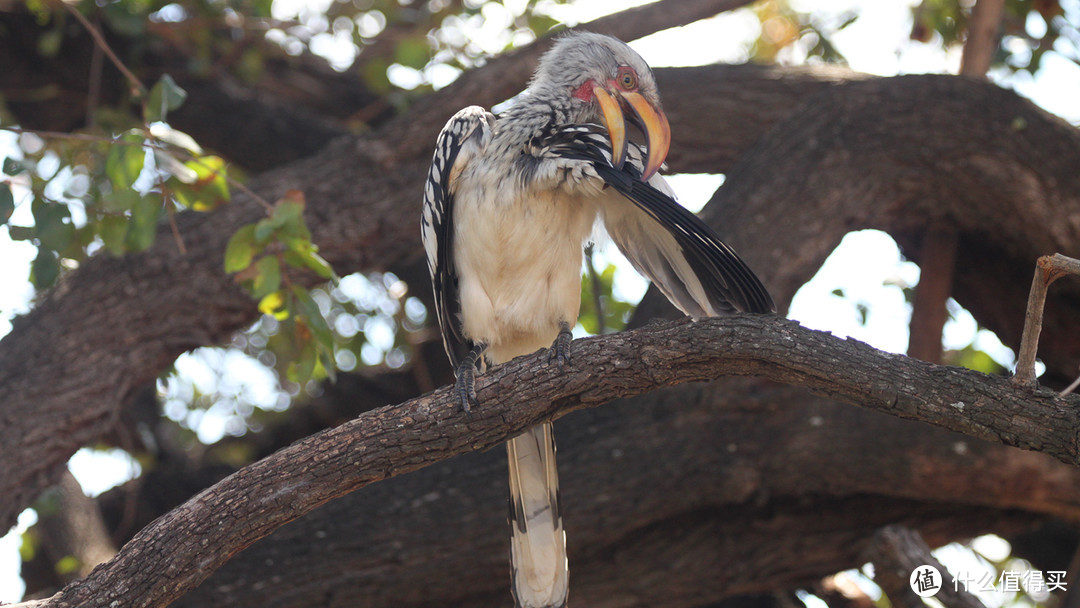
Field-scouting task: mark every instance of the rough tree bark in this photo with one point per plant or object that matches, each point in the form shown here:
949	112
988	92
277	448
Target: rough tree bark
179	550
1001	199
125	338
1002	174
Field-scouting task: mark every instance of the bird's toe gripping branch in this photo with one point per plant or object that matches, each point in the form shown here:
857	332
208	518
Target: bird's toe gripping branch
465	385
560	349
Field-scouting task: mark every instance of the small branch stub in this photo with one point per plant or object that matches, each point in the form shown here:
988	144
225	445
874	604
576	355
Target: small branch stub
1048	269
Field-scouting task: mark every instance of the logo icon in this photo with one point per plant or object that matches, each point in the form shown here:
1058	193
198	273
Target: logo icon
925	581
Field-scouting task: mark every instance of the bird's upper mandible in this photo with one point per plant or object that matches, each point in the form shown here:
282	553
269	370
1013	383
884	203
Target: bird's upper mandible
607	82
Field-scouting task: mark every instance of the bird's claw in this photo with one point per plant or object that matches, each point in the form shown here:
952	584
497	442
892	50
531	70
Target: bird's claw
560	349
465	374
465	387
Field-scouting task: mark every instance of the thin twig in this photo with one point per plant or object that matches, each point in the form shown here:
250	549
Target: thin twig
1047	270
99	40
235	183
1072	387
170	210
93	96
62	135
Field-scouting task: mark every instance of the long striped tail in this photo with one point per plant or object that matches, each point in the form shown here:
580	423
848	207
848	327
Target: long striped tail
538	567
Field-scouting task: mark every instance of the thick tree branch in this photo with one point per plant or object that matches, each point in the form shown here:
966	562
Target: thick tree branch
115	323
896	551
401	438
107	328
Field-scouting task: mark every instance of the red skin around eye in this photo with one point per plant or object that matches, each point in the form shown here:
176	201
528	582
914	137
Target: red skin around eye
585	91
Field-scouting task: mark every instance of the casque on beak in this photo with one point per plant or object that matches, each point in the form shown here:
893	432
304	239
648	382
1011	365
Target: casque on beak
651	120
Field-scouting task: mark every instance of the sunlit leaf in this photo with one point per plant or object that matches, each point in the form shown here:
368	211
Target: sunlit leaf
308	310
241	249
303	254
125	161
67	565
268	277
142	229
165	96
274	305
972	358
210	187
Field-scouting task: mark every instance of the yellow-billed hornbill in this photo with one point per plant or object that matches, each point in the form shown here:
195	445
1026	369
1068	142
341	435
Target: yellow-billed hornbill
508	205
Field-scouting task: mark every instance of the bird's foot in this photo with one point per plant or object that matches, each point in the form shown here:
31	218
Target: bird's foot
465	385
560	349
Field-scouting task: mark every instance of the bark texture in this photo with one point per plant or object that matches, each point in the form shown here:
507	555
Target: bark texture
681	497
179	550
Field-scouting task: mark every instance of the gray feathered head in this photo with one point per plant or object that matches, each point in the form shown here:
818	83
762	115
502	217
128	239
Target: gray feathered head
608	82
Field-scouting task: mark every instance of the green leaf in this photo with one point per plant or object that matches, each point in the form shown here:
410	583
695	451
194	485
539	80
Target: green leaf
124	162
67	565
309	311
119	201
268	279
164	97
241	249
7	203
303	254
45	268
52	222
373	72
13	166
413	52
28	546
287	217
49	42
209	189
303	368
22	233
113	230
142	230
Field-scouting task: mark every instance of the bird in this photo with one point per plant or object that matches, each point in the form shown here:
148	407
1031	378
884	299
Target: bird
511	200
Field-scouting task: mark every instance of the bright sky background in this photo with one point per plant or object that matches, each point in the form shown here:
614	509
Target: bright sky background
868	266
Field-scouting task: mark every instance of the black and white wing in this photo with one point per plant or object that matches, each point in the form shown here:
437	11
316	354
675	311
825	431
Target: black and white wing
679	253
464	136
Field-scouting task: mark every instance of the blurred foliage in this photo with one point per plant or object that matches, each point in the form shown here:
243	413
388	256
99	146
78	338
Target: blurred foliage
110	187
1030	29
791	36
106	190
601	312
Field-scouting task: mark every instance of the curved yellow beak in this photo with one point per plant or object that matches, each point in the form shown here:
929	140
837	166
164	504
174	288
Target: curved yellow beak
652	121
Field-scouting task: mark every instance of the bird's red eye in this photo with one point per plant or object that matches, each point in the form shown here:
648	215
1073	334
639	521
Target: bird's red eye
626	78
